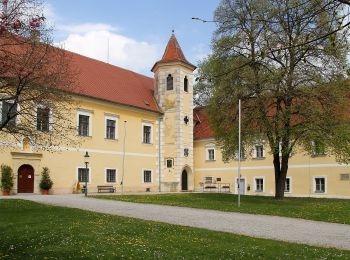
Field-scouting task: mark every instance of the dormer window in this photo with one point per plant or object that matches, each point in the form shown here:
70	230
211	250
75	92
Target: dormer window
169	82
186	84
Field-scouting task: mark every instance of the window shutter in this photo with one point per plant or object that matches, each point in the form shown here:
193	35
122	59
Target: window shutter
264	153
254	152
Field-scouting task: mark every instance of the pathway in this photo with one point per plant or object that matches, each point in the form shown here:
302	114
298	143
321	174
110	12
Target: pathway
271	227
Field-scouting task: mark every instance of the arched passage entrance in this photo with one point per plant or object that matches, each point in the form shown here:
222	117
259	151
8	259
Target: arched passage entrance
25	179
184	181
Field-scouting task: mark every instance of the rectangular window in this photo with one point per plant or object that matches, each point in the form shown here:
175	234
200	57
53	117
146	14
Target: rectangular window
320	185
259	151
259	184
287	185
9	110
169	163
211	154
344	177
319	148
43	119
147	133
84	125
110	129
83	175
111	175
147	176
208	179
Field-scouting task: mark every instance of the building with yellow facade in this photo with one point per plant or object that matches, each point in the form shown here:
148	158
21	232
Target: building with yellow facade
144	134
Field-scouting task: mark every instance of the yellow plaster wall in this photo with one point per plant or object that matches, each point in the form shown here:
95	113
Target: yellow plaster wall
302	170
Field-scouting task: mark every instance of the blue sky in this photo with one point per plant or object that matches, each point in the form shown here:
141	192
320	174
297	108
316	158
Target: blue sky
137	30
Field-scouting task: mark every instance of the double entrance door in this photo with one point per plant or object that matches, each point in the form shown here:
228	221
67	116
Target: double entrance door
25	182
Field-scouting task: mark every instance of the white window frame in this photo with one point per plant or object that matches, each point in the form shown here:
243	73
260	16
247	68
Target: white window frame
172	163
143	176
210	146
290	185
84	113
147	124
314	184
255	186
115	118
50	116
77	174
207	157
17	118
255	152
116	175
212	179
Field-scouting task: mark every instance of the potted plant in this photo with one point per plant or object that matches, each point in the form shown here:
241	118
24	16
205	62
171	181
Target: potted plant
6	179
45	182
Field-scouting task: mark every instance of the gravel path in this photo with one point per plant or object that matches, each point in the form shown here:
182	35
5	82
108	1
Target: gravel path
278	228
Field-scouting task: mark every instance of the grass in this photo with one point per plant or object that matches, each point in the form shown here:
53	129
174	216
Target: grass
34	231
328	210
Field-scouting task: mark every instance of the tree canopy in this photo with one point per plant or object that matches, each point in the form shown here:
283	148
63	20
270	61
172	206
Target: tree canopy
291	78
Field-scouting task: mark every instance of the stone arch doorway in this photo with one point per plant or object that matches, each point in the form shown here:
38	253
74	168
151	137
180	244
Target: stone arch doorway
25	183
184	181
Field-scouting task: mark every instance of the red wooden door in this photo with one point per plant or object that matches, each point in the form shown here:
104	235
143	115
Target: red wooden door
25	179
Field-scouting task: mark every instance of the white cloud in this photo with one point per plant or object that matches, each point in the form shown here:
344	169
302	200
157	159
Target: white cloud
92	40
86	27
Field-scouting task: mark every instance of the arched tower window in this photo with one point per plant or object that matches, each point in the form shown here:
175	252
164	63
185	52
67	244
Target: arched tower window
169	83
185	84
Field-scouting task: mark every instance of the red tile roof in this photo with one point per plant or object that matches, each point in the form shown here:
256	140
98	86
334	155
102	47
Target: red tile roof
173	53
202	128
111	83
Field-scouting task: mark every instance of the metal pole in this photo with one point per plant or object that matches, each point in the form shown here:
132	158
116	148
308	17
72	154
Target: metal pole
239	154
123	157
86	177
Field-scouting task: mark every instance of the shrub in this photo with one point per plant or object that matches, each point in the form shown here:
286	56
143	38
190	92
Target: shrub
45	182
6	178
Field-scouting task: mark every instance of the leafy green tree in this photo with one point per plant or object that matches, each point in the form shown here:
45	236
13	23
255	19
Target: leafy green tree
293	90
6	178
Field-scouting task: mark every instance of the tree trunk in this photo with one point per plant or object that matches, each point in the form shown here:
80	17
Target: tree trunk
281	169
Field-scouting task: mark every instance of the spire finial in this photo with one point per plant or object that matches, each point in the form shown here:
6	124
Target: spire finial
173	31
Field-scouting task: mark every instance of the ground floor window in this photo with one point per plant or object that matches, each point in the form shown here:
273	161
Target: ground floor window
320	184
147	176
259	184
111	175
83	174
287	185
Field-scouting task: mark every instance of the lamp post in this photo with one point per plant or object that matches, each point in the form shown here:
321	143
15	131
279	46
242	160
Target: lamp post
86	161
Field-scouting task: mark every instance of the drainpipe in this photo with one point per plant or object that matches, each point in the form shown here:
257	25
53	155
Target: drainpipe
123	158
159	153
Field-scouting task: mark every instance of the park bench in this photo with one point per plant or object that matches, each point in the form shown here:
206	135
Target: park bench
105	188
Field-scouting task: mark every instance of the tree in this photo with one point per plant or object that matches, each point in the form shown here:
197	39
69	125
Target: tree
294	91
36	79
6	178
45	182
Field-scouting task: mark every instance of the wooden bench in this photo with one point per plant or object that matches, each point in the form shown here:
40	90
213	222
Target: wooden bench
105	188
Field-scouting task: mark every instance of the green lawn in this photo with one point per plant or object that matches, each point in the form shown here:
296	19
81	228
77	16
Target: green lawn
329	210
34	231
